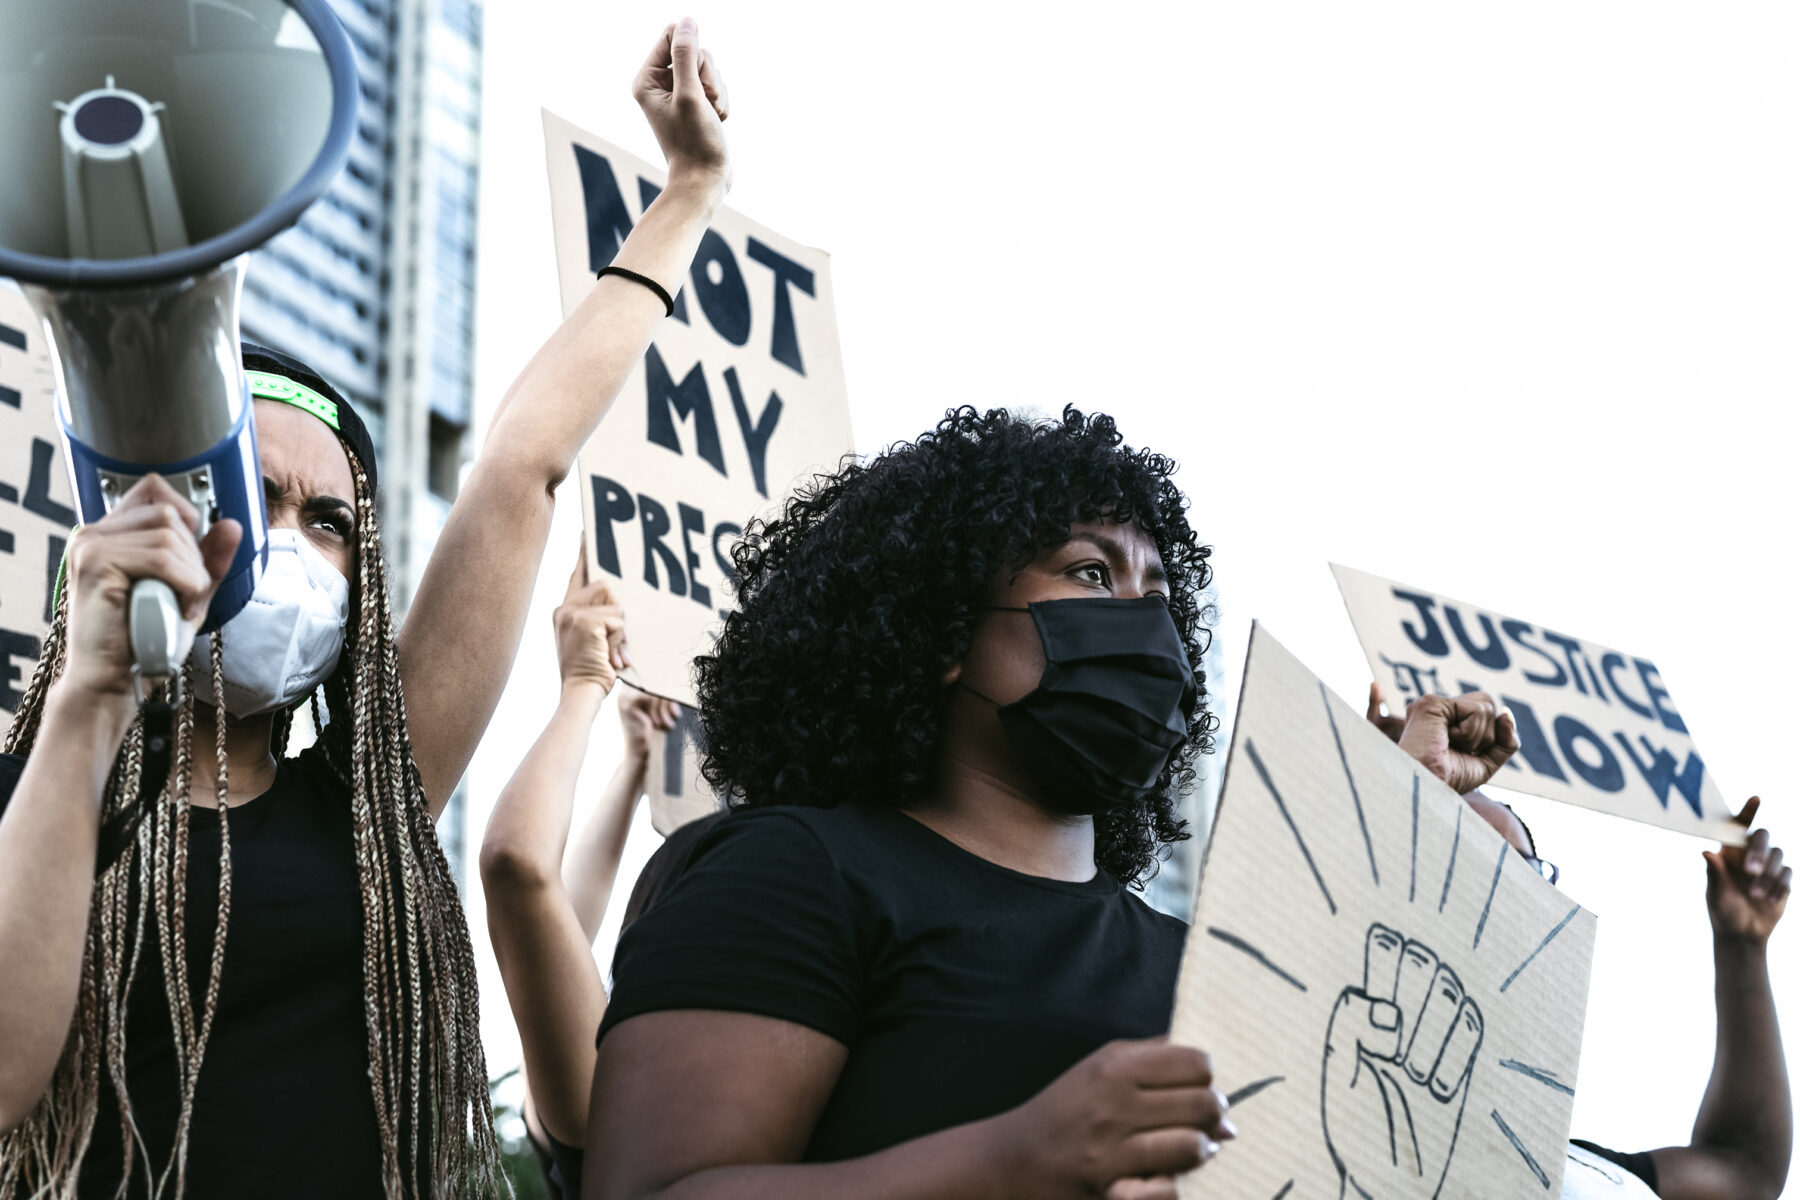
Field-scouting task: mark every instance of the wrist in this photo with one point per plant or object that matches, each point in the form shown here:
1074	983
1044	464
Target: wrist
99	717
1002	1162
696	186
1739	949
583	694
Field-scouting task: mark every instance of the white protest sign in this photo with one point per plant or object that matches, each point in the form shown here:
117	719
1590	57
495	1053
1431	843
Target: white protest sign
740	395
1596	726
678	793
1392	997
36	511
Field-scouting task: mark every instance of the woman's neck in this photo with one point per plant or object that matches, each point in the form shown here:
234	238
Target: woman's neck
982	802
249	762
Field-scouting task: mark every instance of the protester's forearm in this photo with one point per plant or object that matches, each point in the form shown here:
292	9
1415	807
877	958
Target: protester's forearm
463	628
48	838
964	1161
1747	1109
529	827
552	408
591	865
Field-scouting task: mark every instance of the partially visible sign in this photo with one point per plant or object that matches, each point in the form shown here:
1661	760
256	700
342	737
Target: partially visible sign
678	792
36	510
1393	998
740	395
1596	726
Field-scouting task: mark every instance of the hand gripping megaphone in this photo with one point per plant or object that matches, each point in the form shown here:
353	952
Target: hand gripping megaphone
148	146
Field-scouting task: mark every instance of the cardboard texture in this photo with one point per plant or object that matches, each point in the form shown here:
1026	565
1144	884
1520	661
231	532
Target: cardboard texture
740	395
36	510
677	792
1596	726
1392	998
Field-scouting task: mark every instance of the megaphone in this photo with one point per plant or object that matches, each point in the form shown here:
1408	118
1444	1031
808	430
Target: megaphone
149	145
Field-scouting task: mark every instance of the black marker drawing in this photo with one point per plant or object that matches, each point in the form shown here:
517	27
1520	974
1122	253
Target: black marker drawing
1263	773
1399	1052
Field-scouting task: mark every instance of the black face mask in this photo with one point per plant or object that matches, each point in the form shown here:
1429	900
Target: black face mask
1109	710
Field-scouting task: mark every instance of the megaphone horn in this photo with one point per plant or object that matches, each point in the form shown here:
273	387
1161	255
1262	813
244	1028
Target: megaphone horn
150	145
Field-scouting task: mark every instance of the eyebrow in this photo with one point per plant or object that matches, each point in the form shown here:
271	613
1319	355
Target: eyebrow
1111	545
271	488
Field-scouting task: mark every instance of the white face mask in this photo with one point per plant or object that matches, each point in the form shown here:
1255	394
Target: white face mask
286	641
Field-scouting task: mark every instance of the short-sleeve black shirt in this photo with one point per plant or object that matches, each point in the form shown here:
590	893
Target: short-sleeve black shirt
283	1106
961	988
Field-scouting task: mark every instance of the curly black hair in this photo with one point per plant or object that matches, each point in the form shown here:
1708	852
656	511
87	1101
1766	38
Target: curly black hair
827	683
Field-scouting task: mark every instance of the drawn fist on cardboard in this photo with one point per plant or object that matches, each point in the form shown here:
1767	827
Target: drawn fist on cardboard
1398	1055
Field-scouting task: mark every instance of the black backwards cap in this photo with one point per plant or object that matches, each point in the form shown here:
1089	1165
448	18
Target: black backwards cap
277	376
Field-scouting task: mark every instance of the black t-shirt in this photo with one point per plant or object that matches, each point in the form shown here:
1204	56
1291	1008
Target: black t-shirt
961	988
283	1106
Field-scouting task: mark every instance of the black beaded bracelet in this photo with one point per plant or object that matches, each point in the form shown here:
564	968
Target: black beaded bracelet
661	292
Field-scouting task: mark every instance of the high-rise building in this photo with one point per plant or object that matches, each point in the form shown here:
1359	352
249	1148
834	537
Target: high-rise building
375	286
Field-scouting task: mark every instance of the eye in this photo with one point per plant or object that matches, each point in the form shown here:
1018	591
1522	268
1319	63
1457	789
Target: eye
332	522
1093	572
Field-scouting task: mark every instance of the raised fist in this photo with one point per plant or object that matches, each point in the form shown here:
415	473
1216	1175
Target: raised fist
1398	1055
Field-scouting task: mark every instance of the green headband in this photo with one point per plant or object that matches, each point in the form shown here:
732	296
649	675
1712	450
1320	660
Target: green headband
265	386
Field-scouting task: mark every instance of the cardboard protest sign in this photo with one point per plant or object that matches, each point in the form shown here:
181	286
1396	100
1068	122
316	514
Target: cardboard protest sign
1596	726
36	511
740	394
1393	999
678	794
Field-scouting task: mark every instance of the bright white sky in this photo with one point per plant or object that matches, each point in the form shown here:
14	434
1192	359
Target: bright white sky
1498	300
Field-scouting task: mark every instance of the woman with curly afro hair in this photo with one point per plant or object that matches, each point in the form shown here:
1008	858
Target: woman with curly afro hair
952	714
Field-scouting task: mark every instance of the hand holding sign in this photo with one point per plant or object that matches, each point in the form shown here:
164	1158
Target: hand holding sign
1398	1054
1747	886
683	97
590	632
1462	740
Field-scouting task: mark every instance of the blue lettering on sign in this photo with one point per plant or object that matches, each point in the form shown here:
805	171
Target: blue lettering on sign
1571	648
664	568
654	519
37	488
1431	639
15	648
1534	747
689	399
1654	685
1516	630
1612	662
1604	774
1658	770
612	505
756	434
693	521
726	302
608	220
784	346
1492	654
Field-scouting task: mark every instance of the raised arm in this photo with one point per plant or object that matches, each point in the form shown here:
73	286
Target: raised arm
462	632
1744	1132
546	963
591	864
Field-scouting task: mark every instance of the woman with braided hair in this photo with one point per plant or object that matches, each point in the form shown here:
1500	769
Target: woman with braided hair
267	989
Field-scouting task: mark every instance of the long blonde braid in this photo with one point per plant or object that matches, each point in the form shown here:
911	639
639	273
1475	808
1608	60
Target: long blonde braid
427	1070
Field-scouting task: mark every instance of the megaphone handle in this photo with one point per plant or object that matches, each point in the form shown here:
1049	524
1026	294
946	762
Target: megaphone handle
155	624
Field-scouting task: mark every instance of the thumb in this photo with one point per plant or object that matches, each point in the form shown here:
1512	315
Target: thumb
220	546
1374	713
684	56
1371	1024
